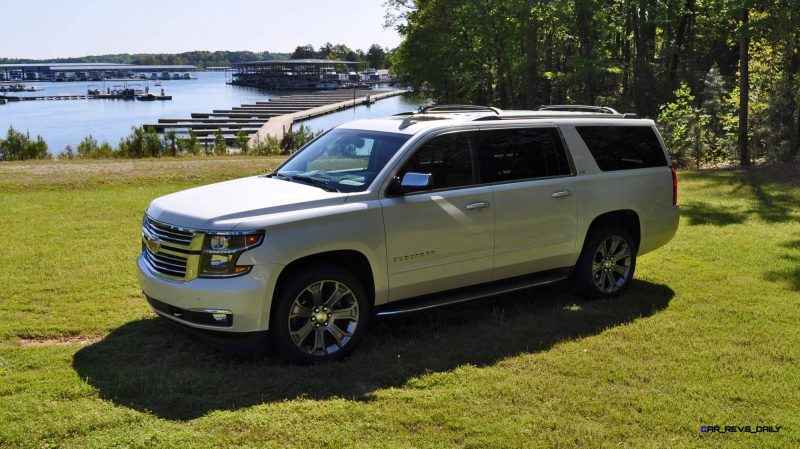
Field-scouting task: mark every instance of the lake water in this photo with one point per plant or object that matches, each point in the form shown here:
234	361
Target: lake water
67	122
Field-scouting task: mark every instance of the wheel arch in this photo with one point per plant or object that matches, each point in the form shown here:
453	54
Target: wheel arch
625	218
354	261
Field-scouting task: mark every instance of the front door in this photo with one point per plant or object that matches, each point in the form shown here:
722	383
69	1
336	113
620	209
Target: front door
443	238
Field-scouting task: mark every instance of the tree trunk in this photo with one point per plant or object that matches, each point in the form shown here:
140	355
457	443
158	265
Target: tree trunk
644	38
532	96
793	67
548	66
680	38
744	86
583	20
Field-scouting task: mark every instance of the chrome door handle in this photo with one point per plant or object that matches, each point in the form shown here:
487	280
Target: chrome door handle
561	194
478	205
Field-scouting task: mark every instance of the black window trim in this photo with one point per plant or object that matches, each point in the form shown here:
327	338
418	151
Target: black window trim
474	153
417	145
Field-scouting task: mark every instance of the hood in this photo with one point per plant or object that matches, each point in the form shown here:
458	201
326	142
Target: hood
223	205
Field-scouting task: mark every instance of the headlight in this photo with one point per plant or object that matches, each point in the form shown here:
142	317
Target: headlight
221	253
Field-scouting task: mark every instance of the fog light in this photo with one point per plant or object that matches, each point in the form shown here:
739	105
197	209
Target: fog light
219	261
219	316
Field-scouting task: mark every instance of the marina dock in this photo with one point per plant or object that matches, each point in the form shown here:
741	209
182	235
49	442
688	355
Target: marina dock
268	118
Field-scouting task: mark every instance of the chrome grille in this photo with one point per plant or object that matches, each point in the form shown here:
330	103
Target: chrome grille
168	264
170	251
167	233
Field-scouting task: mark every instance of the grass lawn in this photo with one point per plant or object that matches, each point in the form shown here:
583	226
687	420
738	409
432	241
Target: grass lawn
709	334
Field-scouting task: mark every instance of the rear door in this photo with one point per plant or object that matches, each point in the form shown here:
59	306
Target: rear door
443	238
534	200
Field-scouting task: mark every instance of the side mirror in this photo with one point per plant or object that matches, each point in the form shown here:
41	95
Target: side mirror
413	182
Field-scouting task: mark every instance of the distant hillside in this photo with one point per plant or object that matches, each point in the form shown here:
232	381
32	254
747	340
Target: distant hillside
201	59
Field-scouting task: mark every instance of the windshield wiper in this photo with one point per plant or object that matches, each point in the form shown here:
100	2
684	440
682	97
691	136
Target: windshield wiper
277	175
314	182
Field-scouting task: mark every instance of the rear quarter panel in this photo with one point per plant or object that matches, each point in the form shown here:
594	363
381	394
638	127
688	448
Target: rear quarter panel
645	191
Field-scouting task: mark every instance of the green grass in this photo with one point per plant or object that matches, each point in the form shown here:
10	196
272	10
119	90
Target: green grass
707	335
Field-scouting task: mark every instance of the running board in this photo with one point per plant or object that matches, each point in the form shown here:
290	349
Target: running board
469	293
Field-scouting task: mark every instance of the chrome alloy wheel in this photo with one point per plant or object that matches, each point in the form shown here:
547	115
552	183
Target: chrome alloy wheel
323	318
611	264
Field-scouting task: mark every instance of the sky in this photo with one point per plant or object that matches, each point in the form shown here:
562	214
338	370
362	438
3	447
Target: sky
69	28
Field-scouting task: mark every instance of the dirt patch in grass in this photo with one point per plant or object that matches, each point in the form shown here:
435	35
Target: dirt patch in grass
63	340
788	173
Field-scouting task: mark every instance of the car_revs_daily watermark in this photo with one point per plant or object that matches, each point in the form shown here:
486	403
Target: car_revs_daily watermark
740	429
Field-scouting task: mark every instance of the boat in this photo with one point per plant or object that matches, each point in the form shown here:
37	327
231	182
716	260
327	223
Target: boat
146	97
327	86
20	88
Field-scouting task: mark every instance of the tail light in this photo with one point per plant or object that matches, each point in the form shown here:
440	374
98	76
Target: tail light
674	185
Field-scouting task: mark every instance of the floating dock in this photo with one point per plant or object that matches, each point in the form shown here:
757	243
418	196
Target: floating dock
268	118
50	97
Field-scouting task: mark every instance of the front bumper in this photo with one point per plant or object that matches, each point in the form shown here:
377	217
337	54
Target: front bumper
247	299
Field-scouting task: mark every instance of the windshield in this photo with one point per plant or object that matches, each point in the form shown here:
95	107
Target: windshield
344	160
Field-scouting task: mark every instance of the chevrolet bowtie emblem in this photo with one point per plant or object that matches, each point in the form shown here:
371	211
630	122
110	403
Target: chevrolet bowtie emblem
153	245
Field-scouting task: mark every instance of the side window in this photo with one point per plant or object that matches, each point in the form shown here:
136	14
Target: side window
514	154
448	158
623	147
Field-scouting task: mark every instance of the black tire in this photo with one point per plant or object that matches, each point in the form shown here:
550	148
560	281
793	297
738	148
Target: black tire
614	275
288	322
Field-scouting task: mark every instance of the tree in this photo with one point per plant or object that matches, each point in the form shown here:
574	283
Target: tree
170	142
220	146
19	147
744	85
304	52
242	141
685	129
376	56
153	146
68	153
87	148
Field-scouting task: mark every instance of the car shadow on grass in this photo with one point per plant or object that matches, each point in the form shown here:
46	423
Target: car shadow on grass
152	366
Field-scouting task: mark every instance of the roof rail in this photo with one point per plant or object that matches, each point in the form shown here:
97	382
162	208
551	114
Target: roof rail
554	115
454	108
575	108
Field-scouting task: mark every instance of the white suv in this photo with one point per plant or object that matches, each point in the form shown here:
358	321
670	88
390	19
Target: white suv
394	215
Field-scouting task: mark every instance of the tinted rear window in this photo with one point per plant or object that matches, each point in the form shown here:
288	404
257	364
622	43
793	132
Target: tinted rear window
512	154
623	147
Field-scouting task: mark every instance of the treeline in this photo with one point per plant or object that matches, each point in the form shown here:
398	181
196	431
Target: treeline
721	76
147	143
375	57
201	59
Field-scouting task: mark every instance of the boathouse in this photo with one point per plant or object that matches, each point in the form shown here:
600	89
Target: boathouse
84	71
297	74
